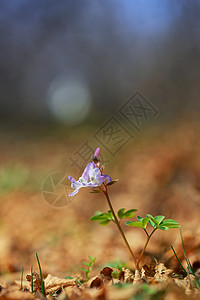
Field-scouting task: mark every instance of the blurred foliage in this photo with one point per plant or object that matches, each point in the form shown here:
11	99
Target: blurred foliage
18	176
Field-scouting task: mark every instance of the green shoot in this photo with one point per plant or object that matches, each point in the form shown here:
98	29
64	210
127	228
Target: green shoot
79	282
190	269
42	282
157	222
117	265
22	278
178	260
31	279
69	277
89	267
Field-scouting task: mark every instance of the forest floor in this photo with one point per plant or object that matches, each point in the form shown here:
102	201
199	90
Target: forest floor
159	174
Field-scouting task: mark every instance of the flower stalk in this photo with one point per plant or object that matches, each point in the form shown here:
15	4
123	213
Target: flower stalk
119	226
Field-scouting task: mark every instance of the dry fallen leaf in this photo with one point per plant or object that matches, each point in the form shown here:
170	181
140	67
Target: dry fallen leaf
126	275
36	282
149	270
161	272
53	284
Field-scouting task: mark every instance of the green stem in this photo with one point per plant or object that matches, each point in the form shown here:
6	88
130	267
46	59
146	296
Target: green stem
119	227
31	279
178	260
41	277
145	246
22	278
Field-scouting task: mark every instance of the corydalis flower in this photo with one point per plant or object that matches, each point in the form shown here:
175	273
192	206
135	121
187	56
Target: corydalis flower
91	177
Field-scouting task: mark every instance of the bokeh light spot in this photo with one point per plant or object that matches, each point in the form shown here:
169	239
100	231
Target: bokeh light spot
69	100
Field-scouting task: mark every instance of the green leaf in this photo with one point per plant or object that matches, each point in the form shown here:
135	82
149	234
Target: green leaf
169	222
68	277
112	182
174	226
129	213
134	224
100	216
110	215
104	222
155	221
159	218
139	218
86	264
96	216
145	222
150	216
92	259
152	223
121	213
163	227
84	270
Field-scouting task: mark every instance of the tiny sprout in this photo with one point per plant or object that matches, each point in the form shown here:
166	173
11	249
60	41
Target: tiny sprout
90	266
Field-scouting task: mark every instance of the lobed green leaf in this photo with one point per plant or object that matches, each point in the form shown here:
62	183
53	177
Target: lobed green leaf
104	222
159	218
134	224
129	213
139	218
86	264
163	227
145	222
102	216
84	270
95	191
92	259
121	213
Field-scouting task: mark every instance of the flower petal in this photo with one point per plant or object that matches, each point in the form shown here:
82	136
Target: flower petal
85	174
71	179
106	178
94	173
96	153
93	184
74	192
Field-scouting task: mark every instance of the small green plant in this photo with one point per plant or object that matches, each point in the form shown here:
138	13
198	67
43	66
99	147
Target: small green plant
93	177
189	266
156	223
116	265
41	276
90	266
22	278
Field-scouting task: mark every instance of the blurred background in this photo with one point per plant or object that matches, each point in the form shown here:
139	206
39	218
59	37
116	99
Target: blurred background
66	67
101	49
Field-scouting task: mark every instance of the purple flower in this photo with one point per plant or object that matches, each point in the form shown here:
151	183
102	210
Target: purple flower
91	176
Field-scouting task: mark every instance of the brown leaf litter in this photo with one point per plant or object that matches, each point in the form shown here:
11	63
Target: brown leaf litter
156	279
